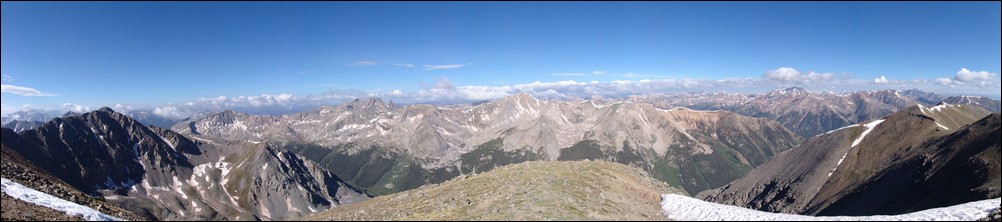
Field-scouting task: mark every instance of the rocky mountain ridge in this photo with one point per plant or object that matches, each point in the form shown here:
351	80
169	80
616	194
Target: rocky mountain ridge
161	174
947	152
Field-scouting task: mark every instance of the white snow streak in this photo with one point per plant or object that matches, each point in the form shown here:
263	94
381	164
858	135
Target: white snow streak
678	207
941	126
836	130
167	142
838	164
26	194
869	127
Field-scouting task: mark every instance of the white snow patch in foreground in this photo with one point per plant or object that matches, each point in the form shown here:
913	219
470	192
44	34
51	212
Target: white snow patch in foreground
678	207
29	195
869	127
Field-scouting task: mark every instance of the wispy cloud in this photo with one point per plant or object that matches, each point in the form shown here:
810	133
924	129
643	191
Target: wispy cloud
437	67
363	63
408	65
596	72
326	85
6	78
635	75
24	91
306	72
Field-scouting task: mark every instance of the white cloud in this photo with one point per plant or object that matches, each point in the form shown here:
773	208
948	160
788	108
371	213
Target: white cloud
944	81
170	112
397	92
405	65
122	108
813	76
783	74
437	67
572	89
791	75
881	80
965	75
24	91
597	72
75	108
6	78
363	63
568	74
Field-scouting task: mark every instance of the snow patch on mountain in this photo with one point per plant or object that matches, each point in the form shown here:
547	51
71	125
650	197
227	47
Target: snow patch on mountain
29	195
678	207
836	130
941	126
869	127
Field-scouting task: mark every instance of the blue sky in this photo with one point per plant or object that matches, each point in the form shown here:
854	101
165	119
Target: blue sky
67	54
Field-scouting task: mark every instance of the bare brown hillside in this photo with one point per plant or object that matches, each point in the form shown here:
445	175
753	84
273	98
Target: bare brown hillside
577	190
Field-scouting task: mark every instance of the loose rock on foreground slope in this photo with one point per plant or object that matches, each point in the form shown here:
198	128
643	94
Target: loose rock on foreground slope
578	190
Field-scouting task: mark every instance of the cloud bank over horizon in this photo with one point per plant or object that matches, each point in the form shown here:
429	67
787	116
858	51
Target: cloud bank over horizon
444	91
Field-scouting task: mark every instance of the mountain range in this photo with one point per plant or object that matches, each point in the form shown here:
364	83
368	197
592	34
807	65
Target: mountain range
811	113
791	151
385	148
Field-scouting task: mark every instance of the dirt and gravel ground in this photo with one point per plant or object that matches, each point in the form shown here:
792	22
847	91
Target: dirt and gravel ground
579	190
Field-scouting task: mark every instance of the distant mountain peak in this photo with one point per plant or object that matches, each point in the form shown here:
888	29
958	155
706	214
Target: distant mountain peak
523	96
361	103
794	89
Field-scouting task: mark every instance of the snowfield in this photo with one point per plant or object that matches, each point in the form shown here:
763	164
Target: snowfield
29	195
678	207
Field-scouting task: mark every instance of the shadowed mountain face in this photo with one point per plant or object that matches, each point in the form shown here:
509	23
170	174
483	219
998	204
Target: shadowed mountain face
384	148
161	174
915	159
17	169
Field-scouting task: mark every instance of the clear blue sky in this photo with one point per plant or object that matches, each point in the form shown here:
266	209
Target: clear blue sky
99	54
